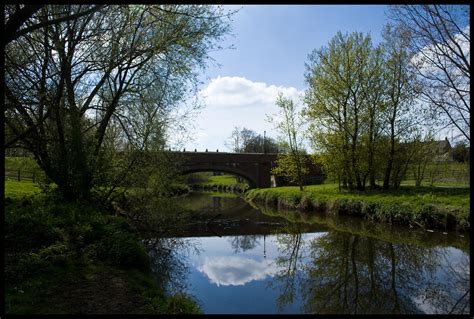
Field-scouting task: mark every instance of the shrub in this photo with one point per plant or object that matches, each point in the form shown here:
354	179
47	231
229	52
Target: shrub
28	227
181	304
121	246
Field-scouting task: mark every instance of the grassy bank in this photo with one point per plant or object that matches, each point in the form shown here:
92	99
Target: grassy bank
75	258
222	183
397	234
426	207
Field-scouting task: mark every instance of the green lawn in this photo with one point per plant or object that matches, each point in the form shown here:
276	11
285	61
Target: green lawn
222	179
16	190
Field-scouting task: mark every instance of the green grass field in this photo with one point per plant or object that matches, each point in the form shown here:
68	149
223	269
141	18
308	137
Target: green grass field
17	190
222	179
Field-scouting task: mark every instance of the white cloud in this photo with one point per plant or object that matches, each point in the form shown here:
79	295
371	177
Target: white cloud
433	53
224	92
236	101
235	271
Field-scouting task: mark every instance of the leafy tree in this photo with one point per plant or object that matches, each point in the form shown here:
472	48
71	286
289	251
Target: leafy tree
337	101
260	144
239	139
400	86
77	91
359	104
289	124
243	140
461	152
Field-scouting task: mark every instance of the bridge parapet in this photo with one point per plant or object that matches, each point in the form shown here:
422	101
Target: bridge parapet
222	157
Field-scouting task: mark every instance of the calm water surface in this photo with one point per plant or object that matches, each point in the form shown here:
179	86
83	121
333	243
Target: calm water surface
242	261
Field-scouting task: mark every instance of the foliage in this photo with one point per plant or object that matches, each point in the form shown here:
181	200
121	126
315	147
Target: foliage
357	105
461	152
221	183
289	124
53	247
120	246
80	90
423	153
13	163
18	190
243	140
285	166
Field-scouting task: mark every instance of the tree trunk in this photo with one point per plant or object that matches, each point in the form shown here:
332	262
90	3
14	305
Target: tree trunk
388	169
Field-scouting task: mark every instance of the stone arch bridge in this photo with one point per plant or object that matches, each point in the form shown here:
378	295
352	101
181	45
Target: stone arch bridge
254	167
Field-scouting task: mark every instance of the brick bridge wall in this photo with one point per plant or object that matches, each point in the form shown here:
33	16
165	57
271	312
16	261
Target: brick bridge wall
254	167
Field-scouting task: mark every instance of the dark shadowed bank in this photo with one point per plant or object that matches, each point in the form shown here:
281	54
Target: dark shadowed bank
76	258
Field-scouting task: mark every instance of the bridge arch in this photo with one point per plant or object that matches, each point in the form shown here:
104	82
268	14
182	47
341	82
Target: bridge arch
221	168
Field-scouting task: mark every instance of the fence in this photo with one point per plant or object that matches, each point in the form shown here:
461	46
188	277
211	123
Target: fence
23	175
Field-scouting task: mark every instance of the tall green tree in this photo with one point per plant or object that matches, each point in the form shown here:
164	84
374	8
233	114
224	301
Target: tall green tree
400	88
337	103
67	81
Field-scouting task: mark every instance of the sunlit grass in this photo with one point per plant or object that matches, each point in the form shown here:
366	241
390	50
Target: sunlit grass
222	180
15	189
416	195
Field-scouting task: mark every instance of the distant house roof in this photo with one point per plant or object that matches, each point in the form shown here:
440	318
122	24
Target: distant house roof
443	150
442	146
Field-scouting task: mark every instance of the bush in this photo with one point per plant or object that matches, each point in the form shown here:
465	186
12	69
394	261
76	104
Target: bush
181	304
120	246
27	226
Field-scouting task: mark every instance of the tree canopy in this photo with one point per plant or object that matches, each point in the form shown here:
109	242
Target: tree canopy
106	80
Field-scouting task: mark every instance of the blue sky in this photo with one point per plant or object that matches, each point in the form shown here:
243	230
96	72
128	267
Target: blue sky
272	43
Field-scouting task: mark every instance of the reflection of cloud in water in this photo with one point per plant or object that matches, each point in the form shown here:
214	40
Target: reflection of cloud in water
235	271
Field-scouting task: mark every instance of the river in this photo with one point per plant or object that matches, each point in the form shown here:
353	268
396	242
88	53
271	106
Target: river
242	261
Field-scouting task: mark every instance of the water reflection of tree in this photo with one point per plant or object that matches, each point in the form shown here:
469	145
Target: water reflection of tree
457	283
244	243
350	274
288	261
168	258
354	274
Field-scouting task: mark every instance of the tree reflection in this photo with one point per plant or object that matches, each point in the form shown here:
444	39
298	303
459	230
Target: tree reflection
243	243
456	281
288	261
168	258
351	274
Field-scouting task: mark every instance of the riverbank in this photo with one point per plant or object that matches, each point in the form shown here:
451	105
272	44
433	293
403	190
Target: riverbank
77	258
423	207
220	183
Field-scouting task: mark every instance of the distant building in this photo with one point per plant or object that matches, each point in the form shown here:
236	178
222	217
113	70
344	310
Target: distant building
443	151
